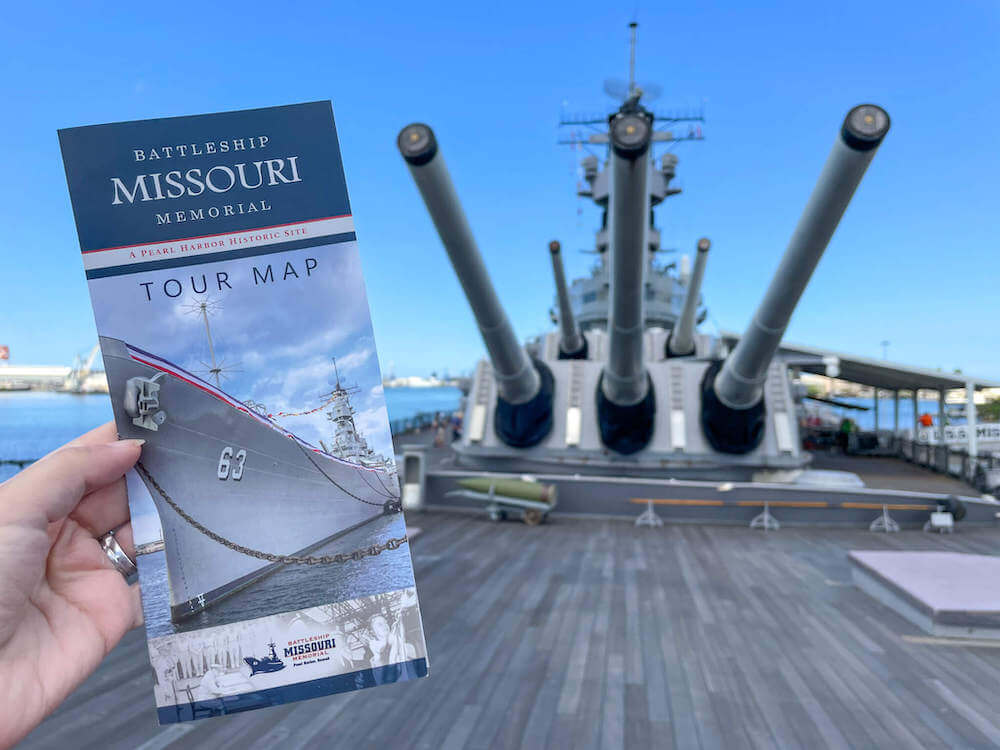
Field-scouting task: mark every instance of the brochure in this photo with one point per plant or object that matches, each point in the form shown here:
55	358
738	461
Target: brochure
226	284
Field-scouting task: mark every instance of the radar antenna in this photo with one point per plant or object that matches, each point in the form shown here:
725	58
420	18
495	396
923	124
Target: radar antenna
630	91
348	389
204	307
591	129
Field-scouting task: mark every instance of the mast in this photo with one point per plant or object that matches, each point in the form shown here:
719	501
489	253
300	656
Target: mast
631	58
214	367
211	348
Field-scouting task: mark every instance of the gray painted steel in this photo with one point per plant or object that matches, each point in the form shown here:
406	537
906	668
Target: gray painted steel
678	446
625	381
519	382
571	340
681	341
628	355
740	383
722	502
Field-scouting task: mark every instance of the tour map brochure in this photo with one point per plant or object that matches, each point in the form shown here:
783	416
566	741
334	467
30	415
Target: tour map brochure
237	340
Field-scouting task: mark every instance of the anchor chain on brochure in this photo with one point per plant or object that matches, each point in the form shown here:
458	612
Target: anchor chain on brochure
393	500
340	557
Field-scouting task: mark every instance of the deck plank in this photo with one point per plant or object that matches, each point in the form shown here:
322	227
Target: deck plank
592	633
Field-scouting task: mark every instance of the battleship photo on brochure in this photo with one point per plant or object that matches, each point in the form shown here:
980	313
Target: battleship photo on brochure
245	486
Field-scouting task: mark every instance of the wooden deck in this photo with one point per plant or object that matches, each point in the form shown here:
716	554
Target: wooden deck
589	633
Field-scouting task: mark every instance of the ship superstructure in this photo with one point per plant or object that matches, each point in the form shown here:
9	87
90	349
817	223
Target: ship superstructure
349	444
665	284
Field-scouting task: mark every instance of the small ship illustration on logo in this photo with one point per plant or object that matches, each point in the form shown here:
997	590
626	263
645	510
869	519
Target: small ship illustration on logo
268	664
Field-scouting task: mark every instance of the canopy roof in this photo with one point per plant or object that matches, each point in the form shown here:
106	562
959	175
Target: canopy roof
878	373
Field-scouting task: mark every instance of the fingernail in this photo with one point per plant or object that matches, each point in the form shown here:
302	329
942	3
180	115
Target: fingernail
133	443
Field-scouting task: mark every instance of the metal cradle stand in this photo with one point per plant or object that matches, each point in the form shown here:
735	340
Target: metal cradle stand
764	519
648	517
884	522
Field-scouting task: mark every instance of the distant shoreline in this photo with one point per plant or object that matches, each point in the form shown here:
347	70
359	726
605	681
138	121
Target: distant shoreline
52	391
435	386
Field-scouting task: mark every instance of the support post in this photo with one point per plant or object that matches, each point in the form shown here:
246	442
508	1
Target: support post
970	418
876	411
916	414
942	447
897	445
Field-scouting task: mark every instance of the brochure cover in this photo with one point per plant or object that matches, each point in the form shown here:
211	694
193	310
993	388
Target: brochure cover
226	284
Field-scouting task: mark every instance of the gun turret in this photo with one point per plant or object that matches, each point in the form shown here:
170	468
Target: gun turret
523	414
681	340
572	345
732	414
625	401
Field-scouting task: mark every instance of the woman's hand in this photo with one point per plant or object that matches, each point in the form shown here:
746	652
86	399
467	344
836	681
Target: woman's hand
63	605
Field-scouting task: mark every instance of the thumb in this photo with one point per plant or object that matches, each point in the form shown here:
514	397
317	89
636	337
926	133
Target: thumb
49	489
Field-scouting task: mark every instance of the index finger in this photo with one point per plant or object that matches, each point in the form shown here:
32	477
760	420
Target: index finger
106	433
51	488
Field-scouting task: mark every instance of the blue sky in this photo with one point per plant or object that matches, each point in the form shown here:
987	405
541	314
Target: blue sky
914	262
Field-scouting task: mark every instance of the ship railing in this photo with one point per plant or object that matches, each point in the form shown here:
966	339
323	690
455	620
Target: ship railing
953	461
20	463
419	422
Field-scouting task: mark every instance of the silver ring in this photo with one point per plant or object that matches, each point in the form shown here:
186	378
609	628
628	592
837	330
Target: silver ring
122	562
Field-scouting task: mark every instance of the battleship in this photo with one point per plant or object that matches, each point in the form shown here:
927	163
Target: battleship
626	400
625	406
270	663
238	495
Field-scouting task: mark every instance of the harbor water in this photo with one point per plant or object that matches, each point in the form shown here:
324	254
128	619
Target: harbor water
291	587
33	423
886	414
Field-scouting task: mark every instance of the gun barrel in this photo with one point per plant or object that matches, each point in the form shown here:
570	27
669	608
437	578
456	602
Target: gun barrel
571	341
739	384
517	379
624	381
681	341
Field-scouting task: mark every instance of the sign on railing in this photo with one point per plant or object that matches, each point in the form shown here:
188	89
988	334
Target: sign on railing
959	434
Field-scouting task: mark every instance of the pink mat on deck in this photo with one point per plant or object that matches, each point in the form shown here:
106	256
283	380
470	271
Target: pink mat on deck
942	581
